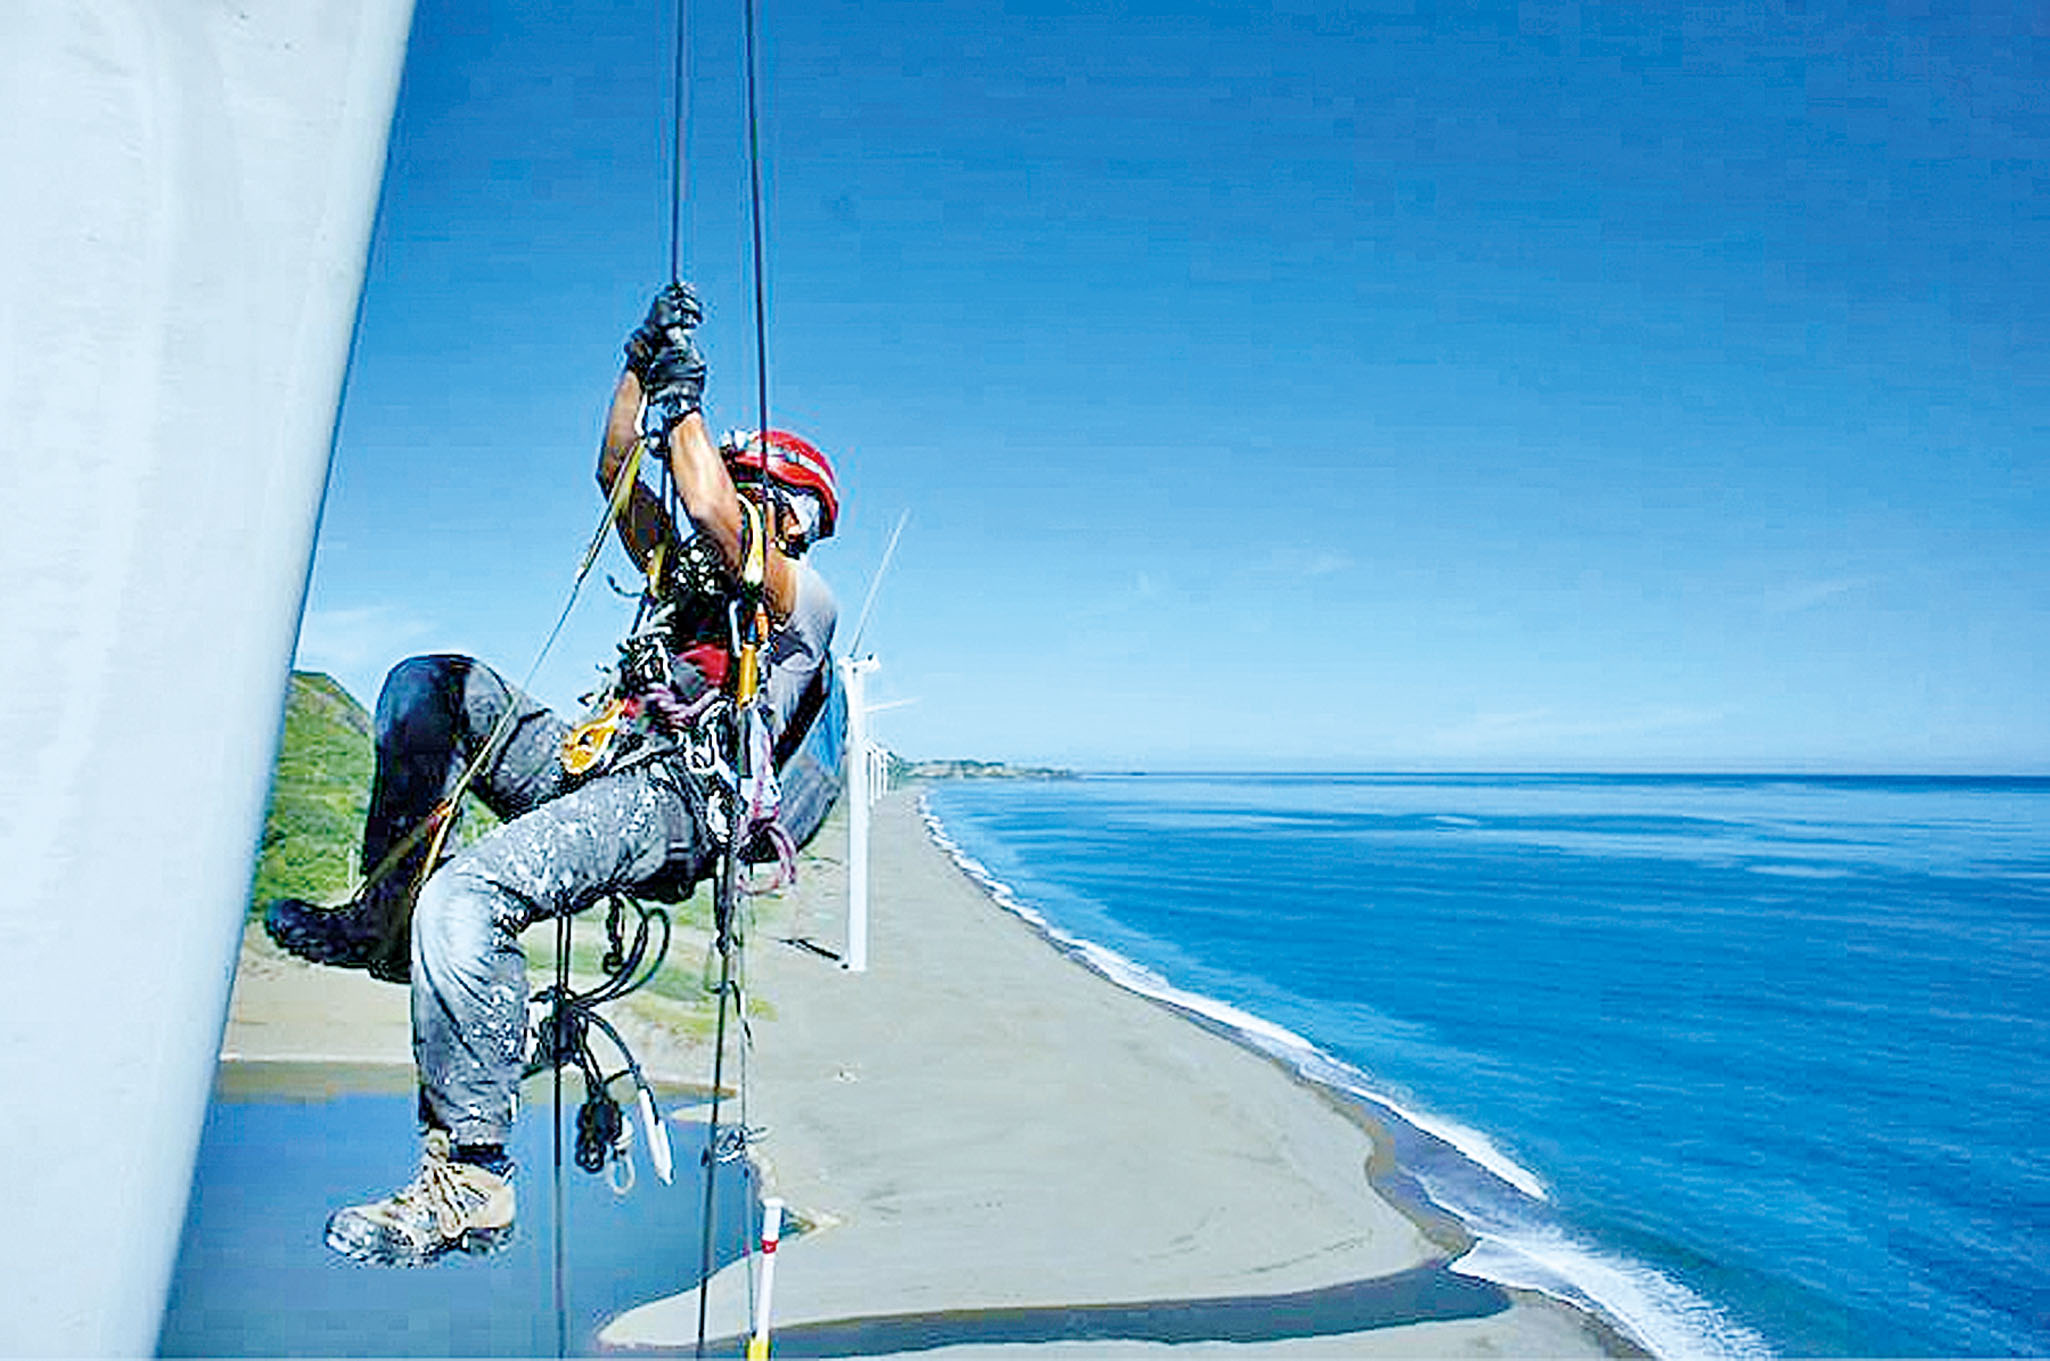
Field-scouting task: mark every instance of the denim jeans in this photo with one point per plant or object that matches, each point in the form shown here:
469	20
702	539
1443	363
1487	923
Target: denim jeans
565	843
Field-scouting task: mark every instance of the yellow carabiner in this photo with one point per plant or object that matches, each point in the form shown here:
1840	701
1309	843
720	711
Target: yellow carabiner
585	745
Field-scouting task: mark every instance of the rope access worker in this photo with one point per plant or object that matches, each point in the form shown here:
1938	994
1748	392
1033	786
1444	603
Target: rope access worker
633	816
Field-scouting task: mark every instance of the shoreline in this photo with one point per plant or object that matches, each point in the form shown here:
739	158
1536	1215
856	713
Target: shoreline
988	1147
1387	1175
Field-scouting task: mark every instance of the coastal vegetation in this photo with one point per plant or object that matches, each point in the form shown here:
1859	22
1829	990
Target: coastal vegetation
319	790
902	770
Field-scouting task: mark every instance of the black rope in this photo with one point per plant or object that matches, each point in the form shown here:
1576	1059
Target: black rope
560	1016
680	95
556	1021
754	178
728	879
722	909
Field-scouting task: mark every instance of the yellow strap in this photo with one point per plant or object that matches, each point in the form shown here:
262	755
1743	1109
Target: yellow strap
434	827
437	818
747	676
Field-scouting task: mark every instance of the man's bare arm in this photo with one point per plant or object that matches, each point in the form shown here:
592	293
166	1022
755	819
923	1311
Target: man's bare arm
713	504
644	523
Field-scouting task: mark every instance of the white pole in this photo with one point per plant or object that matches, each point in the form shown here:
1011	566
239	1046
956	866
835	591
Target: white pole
772	1232
859	772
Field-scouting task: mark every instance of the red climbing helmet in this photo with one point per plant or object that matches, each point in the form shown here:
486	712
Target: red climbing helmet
793	463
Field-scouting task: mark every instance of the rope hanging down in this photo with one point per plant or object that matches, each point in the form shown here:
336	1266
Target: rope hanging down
434	828
565	1038
752	622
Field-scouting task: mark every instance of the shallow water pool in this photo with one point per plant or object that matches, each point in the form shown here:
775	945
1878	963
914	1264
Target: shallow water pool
283	1146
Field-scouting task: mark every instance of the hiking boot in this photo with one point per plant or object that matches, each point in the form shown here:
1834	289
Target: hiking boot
450	1205
351	936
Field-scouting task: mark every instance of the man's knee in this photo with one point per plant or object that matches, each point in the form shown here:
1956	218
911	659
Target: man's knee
435	913
457	921
420	685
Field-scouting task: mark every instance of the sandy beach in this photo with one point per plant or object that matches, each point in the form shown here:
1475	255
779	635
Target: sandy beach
988	1146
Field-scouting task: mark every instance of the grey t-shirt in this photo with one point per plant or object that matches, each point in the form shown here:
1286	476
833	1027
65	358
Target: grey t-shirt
799	646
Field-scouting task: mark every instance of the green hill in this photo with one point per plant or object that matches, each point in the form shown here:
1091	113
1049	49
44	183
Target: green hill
319	791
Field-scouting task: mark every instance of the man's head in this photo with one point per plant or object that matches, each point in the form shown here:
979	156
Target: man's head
800	480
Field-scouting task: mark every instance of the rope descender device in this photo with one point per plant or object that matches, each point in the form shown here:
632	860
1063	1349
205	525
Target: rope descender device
561	1038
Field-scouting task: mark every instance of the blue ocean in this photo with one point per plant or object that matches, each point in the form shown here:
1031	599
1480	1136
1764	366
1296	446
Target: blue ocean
1752	1066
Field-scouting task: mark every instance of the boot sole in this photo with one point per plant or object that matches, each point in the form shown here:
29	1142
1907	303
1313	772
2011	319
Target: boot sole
484	1242
316	944
474	1242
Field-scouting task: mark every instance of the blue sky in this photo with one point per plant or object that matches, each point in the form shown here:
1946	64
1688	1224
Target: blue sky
1384	386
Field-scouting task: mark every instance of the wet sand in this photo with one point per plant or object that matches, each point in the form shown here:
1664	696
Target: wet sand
990	1146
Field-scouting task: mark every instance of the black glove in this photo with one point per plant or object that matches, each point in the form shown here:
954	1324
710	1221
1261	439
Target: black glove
674	376
671	317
